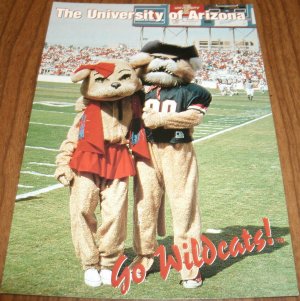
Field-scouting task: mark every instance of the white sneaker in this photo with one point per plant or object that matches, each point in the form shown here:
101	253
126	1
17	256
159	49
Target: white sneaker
92	277
192	283
105	276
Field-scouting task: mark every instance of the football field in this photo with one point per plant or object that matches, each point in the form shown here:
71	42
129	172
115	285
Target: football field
240	184
53	113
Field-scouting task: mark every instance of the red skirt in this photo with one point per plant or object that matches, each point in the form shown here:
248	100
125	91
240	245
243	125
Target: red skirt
115	163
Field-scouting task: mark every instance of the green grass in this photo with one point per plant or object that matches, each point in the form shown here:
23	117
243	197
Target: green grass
50	118
240	183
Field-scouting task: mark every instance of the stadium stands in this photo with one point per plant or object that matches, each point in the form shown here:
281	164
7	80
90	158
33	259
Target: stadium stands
217	65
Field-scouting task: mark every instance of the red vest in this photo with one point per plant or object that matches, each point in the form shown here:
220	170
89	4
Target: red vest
94	155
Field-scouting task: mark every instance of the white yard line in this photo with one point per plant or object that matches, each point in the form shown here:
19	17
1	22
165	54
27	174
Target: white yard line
50	124
230	129
38	192
54	104
227	122
42	148
54	111
36	174
207	126
41	164
199	131
25	186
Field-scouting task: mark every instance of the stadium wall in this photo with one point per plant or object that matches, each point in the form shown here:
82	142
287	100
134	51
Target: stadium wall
54	78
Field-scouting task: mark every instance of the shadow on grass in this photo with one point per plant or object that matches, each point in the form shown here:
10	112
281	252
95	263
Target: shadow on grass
227	235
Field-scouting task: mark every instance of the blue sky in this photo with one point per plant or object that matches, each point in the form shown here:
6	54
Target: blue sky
85	31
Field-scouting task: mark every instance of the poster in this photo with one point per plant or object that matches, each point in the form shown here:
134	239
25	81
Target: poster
240	186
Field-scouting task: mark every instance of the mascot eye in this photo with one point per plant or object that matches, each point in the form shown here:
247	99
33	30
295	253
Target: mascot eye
125	76
100	79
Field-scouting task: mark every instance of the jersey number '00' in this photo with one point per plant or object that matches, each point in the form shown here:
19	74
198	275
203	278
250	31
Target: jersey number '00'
175	99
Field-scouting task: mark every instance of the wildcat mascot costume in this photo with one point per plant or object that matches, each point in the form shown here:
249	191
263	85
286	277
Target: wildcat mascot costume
173	106
96	161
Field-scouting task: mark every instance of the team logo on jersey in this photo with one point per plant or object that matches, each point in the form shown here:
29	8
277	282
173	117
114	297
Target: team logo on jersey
179	135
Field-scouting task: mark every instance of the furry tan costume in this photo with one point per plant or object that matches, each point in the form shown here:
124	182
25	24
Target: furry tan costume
96	162
173	106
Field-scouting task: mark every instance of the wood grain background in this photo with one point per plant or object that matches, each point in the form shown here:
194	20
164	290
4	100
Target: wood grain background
23	26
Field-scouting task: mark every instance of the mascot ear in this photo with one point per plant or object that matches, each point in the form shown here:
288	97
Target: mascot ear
80	75
196	63
139	60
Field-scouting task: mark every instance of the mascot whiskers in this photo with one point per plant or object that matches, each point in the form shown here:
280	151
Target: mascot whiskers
96	162
173	107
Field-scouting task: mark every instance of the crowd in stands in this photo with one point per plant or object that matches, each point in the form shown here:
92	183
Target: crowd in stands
63	60
237	65
217	64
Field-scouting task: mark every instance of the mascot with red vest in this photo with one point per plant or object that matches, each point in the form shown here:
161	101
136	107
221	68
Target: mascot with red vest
96	162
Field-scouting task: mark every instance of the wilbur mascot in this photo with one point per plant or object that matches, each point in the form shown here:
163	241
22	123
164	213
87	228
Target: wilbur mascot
173	107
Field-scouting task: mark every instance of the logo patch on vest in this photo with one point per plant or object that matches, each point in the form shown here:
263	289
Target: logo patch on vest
81	127
179	135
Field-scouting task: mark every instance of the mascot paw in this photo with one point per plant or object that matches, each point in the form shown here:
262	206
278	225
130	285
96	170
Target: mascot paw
64	174
152	119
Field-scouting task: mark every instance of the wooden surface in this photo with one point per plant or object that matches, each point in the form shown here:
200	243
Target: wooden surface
23	26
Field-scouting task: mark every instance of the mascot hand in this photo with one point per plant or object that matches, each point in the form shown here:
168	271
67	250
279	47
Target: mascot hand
64	174
152	119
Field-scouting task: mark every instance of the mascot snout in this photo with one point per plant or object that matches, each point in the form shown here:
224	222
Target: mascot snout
116	85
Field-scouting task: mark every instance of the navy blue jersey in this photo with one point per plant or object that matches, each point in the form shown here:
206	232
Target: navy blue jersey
175	99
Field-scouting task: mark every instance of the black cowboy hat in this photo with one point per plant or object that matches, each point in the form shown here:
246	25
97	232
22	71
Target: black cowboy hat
156	47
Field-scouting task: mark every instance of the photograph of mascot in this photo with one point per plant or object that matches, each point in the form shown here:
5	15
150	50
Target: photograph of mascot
173	107
95	161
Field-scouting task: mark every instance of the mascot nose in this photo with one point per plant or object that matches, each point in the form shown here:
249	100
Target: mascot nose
116	85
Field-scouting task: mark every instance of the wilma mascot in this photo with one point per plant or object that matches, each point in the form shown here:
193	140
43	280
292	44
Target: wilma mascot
96	162
173	107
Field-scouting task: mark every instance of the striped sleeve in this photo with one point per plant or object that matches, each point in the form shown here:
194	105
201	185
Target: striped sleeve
200	98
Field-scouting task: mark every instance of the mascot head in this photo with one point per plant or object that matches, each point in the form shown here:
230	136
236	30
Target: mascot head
107	80
166	65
